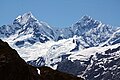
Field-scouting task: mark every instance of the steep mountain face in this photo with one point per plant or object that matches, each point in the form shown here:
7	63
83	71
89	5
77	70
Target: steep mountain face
90	31
12	67
82	26
6	31
105	66
102	64
114	39
88	48
27	29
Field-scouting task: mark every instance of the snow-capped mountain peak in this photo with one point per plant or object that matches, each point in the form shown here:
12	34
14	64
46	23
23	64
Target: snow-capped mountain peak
87	22
27	29
86	17
85	43
91	31
25	18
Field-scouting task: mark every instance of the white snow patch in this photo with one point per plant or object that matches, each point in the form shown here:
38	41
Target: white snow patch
38	71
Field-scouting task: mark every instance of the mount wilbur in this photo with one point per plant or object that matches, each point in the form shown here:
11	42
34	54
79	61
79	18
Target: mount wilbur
88	48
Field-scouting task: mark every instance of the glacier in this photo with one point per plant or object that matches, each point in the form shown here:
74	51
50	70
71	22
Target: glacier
86	47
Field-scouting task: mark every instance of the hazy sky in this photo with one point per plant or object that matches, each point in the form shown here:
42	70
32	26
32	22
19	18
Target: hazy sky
61	13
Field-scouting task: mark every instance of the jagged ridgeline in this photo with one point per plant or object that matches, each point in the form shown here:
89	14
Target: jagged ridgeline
87	48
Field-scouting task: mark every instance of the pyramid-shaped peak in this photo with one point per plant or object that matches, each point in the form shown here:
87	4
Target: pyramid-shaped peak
28	14
86	17
26	17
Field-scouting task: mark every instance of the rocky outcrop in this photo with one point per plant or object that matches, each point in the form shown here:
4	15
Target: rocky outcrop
50	74
13	67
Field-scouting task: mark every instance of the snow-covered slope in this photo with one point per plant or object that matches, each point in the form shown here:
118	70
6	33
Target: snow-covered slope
76	49
104	65
97	63
114	39
27	29
90	31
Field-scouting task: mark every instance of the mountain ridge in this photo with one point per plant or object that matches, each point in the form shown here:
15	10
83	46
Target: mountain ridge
76	47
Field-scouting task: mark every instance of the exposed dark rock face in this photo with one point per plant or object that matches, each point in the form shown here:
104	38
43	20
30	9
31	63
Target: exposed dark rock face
37	63
101	66
105	66
13	67
76	47
50	74
68	66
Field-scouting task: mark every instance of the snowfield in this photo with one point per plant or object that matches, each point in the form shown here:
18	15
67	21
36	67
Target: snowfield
88	48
